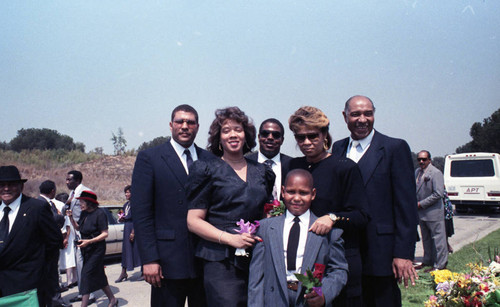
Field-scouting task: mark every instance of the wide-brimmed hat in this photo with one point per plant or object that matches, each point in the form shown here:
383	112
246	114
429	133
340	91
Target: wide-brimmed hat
10	173
89	196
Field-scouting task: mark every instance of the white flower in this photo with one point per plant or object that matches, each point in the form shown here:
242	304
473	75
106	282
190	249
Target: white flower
494	267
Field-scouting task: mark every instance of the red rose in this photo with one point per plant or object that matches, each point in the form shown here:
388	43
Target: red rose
319	270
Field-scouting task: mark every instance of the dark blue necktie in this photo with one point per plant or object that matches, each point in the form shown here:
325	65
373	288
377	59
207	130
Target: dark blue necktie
4	226
293	244
189	159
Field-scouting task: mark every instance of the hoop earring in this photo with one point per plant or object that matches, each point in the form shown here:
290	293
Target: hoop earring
325	144
220	148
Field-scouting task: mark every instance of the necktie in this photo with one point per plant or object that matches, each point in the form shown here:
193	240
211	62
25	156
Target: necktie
53	208
293	243
354	153
419	176
269	163
189	159
4	226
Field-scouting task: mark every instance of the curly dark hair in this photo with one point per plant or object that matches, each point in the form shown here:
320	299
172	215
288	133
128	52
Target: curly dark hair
233	113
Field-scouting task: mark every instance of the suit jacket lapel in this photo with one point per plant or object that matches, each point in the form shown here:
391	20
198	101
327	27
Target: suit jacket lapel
313	244
20	220
174	163
372	157
341	151
276	246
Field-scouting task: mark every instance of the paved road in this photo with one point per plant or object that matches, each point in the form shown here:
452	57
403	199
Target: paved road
468	228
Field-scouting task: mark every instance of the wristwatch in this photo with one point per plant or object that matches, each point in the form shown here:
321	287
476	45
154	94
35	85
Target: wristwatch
333	217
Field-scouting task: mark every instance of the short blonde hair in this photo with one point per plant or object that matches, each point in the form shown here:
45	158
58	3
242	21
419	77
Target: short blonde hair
311	117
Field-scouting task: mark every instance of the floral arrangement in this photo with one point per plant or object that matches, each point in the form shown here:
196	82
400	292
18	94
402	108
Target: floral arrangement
274	208
479	287
311	280
245	227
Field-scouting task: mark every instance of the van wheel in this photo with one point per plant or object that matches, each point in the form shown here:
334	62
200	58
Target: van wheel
461	208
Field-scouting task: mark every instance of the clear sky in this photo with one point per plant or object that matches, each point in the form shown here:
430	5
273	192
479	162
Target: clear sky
85	68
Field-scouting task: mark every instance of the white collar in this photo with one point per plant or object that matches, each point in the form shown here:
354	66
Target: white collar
179	149
364	142
261	158
303	218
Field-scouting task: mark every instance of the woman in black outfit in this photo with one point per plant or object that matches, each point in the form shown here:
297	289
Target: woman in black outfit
220	193
130	250
93	228
340	194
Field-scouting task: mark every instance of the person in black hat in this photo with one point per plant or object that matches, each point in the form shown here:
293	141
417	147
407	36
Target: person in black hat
93	227
28	235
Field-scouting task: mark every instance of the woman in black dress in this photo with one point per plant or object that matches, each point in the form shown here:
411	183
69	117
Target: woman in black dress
220	193
93	228
130	251
340	194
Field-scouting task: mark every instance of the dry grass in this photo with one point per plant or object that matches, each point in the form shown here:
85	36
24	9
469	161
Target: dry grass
106	175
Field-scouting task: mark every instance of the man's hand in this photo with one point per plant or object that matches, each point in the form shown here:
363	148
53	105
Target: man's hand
322	225
403	270
152	274
314	300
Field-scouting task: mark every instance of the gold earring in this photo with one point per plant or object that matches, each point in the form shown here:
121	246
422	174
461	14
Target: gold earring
325	144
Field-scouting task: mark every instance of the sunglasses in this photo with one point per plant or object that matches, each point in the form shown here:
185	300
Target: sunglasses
421	159
187	121
266	133
302	137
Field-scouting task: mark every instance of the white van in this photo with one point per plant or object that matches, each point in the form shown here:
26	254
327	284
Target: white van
472	180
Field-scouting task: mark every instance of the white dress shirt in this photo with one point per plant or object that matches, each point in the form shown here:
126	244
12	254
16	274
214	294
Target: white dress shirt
14	209
304	227
277	171
363	146
179	150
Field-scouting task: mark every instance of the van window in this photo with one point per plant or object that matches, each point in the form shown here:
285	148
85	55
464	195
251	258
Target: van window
472	168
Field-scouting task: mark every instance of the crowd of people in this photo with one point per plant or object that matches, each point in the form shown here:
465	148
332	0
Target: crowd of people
351	205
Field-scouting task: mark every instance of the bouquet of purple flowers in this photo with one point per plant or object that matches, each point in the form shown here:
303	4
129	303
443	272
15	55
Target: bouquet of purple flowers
245	228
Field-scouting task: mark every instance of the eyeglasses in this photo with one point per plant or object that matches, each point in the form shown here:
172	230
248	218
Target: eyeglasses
302	137
266	133
421	159
187	121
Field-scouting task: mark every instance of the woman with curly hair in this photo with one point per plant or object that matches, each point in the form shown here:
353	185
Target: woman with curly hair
340	195
221	192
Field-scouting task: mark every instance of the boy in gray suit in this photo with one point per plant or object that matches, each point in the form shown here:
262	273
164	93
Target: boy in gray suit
288	247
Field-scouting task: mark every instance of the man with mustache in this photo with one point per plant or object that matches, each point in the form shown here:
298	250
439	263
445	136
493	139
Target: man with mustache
388	245
159	211
271	137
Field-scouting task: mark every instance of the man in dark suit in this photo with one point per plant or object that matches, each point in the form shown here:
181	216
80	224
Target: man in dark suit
271	136
51	286
272	280
28	234
387	170
159	211
430	192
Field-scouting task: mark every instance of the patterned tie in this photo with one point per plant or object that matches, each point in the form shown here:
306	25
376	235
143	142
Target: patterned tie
4	226
189	159
269	163
293	244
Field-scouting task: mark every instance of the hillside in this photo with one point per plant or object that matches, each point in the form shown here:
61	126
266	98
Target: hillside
107	176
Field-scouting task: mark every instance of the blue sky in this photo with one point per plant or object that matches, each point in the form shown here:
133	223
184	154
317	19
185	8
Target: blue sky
85	68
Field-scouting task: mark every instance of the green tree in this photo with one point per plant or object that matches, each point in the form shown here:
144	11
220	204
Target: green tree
485	136
43	139
119	142
155	142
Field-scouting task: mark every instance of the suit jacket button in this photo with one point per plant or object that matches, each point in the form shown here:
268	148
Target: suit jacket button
180	202
272	289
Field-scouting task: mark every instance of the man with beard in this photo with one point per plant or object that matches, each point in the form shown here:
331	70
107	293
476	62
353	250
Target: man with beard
159	211
388	245
271	136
